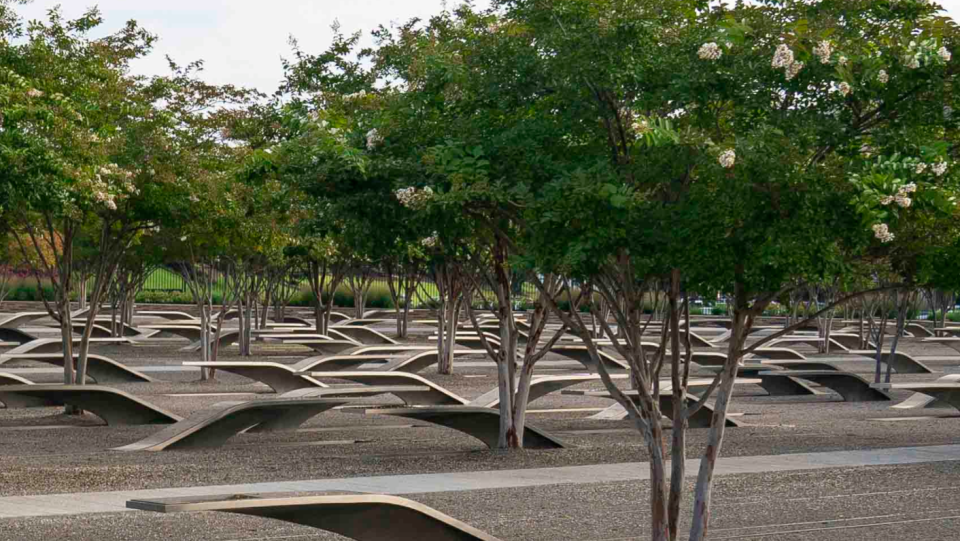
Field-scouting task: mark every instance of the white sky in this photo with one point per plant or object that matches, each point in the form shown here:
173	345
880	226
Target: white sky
242	41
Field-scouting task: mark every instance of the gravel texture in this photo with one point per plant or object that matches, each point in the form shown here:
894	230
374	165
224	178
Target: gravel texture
45	452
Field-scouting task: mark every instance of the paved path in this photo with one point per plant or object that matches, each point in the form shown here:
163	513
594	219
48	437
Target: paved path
108	502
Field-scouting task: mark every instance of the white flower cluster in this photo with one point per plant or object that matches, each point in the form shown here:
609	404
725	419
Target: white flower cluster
944	54
783	58
823	51
902	199
430	241
640	126
34	93
843	61
882	232
882	77
793	69
194	199
728	158
355	95
412	198
921	167
109	185
373	139
939	168
845	88
710	51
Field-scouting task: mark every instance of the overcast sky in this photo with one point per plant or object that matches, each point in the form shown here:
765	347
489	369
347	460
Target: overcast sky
242	41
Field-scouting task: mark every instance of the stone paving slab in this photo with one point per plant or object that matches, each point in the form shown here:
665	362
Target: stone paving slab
106	502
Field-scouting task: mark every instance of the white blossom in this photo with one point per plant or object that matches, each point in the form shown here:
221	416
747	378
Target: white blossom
641	126
728	158
939	168
883	77
845	88
914	62
373	139
908	188
430	241
34	93
944	54
728	45
793	69
411	198
783	57
902	200
823	50
882	232
886	200
842	61
921	167
710	51
194	199
356	95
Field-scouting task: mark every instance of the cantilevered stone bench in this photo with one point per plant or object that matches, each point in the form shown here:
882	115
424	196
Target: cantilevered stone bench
212	427
409	394
696	340
55	345
774	386
283	378
171	315
943	392
100	368
436	394
400	363
582	355
540	387
776	353
362	322
363	517
9	334
189	331
481	423
98	331
813	341
365	335
918	330
20	319
702	419
388	350
920	400
330	347
852	387
901	362
112	405
13	379
949	341
848	340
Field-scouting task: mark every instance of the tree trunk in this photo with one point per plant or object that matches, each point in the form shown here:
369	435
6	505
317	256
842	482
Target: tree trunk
708	463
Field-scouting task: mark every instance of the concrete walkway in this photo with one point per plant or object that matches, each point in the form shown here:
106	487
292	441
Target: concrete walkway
109	502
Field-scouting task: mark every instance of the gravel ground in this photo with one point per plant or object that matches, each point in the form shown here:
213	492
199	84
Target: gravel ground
903	503
44	452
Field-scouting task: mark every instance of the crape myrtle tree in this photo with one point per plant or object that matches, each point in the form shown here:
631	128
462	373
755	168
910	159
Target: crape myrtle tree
340	158
711	146
481	139
775	108
66	100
